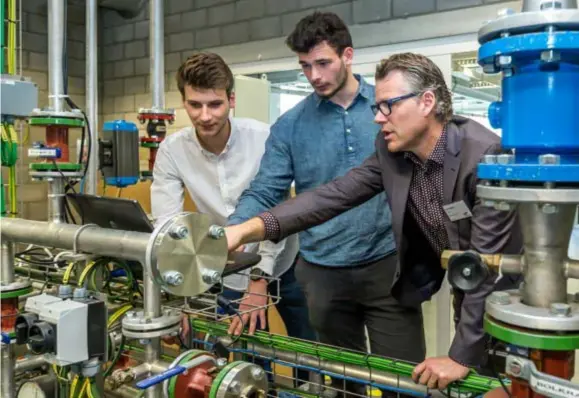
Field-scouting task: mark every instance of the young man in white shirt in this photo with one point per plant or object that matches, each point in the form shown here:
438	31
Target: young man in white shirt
215	160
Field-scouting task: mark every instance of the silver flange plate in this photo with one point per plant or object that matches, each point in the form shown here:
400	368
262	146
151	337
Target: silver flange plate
243	380
16	285
518	314
528	195
183	246
529	22
137	325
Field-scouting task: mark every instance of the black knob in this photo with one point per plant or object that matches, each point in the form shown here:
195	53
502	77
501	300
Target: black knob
22	326
41	338
467	271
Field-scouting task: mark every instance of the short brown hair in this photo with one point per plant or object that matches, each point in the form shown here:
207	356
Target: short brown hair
207	71
422	75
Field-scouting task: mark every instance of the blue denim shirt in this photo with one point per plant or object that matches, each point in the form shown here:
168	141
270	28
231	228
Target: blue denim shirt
312	144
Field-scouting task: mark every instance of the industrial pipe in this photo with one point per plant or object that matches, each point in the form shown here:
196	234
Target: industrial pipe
7	362
7	266
152	308
358	372
89	239
56	26
572	269
507	263
29	363
156	51
56	200
92	94
7	355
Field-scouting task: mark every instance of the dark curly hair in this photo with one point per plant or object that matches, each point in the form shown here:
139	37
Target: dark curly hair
317	28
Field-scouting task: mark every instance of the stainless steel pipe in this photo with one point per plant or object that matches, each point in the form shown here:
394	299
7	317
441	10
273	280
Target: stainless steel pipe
152	308
56	200
7	265
29	363
546	239
572	269
92	93
358	372
7	386
7	354
156	53
56	26
89	239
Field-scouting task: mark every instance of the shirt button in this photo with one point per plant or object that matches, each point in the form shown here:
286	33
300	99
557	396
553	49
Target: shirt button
350	149
348	131
346	112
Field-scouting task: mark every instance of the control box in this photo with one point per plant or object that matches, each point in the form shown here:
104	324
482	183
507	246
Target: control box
66	332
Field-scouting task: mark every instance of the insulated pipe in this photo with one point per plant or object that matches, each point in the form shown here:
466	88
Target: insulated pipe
358	372
92	93
89	239
56	26
156	53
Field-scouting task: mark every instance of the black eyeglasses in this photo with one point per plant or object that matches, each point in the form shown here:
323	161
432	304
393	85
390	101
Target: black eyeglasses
386	106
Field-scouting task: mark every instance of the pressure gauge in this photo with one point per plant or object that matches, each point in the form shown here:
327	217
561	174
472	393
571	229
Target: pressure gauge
39	387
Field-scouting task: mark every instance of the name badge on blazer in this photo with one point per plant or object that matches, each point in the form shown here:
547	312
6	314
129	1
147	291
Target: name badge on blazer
457	211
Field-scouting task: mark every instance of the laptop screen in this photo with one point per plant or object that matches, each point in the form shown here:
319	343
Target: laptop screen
107	212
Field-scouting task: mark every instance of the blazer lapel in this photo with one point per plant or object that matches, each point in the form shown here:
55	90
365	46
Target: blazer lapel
451	168
399	194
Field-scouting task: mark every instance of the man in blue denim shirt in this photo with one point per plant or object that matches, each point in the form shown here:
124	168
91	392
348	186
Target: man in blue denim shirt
346	266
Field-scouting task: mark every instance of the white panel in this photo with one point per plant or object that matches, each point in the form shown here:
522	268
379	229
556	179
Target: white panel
251	98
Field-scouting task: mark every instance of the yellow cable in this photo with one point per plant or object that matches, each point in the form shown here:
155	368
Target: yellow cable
27	136
119	313
67	273
73	386
12	191
11	37
83	389
85	273
89	391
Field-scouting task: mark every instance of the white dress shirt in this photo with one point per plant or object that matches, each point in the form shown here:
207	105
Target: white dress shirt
215	183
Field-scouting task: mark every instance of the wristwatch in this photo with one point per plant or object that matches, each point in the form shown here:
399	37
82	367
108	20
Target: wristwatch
257	274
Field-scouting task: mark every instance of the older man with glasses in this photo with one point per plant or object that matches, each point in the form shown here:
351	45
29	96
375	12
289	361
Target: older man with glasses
426	161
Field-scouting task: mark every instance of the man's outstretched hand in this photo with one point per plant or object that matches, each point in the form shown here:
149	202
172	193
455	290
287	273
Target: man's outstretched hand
252	230
253	306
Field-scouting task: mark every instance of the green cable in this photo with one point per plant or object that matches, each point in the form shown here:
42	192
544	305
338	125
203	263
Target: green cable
473	383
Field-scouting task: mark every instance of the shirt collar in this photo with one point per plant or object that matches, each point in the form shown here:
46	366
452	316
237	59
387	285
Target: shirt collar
230	142
364	89
437	154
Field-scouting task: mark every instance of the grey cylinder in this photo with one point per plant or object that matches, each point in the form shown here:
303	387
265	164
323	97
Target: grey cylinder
546	239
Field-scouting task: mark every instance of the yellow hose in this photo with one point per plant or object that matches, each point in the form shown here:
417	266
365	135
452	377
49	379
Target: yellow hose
11	37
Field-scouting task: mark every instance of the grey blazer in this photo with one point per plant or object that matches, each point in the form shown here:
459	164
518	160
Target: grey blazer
487	231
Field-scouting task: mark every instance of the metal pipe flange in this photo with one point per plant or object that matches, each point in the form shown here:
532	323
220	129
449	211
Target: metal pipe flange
138	326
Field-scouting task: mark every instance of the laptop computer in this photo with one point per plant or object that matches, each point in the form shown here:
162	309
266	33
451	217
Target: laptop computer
113	213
